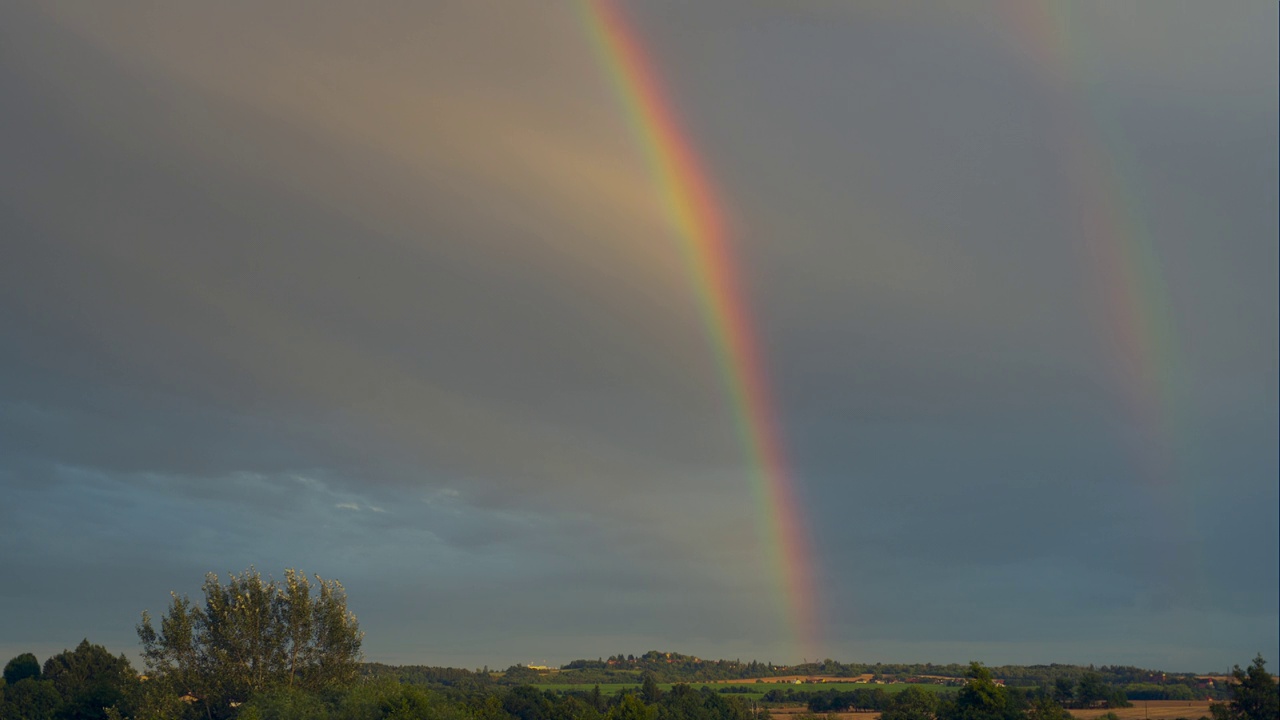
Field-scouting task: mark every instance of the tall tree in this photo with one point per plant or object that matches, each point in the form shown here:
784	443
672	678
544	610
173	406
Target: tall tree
649	689
252	635
1254	696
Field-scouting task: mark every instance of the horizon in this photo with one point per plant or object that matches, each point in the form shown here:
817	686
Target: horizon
135	658
898	330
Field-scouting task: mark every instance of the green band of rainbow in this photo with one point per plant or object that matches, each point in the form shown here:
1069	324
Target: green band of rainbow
1136	315
698	221
1102	193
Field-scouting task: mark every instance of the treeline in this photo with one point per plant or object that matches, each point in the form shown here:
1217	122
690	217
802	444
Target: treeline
425	674
1089	692
670	667
980	698
667	667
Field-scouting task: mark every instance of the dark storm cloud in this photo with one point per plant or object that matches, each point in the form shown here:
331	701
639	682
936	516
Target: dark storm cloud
390	297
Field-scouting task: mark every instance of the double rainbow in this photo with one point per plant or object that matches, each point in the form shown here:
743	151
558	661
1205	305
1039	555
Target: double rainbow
696	217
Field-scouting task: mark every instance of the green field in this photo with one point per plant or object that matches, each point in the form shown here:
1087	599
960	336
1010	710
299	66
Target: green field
754	690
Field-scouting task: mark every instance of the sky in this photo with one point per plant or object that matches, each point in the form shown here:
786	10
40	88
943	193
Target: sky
394	293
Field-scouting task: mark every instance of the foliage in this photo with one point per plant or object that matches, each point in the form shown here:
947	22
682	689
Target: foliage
90	680
1045	708
649	689
425	674
671	667
1153	691
284	703
251	636
21	667
31	699
826	701
980	698
912	704
632	708
1255	695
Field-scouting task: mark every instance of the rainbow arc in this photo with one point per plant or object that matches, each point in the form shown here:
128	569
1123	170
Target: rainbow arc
697	220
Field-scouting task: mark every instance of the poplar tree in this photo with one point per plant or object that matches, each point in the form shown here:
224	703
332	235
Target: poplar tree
252	635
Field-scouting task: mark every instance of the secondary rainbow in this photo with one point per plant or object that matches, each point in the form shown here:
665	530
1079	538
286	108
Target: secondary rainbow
1137	320
1102	183
696	217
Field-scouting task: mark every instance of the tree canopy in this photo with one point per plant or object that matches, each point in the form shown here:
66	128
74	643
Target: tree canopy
89	679
1255	695
253	635
21	667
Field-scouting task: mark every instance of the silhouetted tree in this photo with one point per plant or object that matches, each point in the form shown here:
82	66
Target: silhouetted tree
90	680
1255	696
21	667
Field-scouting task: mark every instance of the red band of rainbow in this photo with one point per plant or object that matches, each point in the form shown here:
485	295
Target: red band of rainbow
708	254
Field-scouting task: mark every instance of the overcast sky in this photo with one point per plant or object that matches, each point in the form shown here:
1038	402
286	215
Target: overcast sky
387	292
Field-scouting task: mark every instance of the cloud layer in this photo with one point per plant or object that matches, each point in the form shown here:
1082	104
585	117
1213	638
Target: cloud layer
388	294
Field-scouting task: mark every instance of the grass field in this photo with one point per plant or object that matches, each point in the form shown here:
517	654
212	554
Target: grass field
1141	710
752	691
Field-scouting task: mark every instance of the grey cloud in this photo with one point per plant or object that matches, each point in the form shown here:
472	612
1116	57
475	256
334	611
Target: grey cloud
265	273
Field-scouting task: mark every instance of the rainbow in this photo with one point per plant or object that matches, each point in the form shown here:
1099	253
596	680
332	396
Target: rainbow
1134	306
1101	182
696	217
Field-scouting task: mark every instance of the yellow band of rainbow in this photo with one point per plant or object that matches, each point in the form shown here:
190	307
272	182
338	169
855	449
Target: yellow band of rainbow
696	217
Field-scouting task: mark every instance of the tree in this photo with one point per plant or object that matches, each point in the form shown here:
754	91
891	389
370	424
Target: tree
913	703
1255	695
631	707
90	680
981	698
20	667
1044	708
649	689
527	702
1063	690
31	699
253	635
1091	690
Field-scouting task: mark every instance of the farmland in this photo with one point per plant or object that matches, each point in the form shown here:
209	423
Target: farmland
1152	710
750	690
